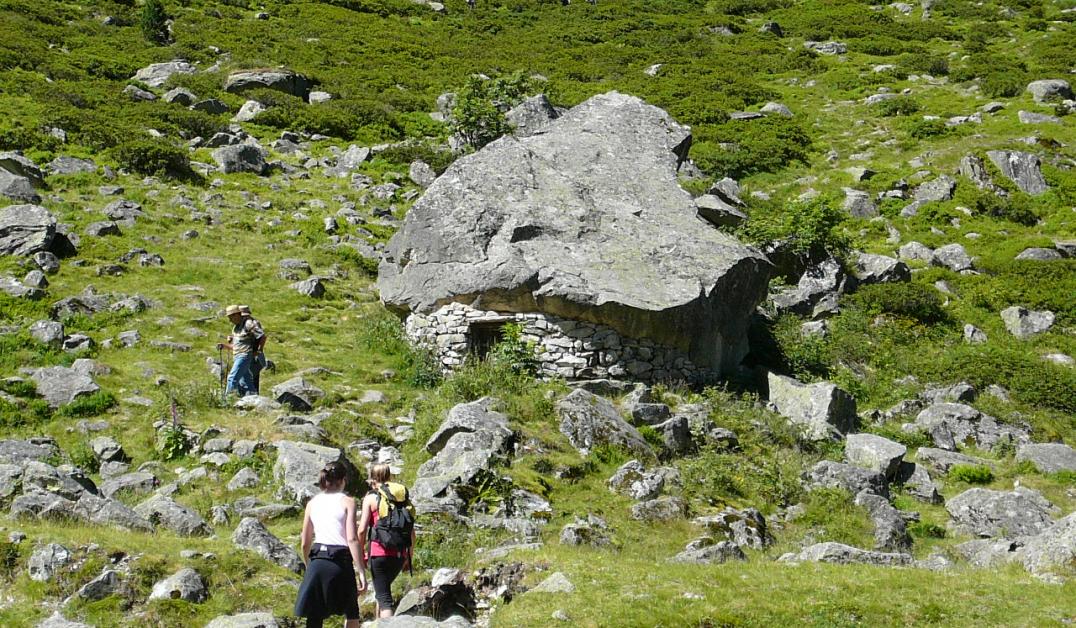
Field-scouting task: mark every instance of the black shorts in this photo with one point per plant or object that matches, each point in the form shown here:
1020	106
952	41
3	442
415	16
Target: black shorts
329	586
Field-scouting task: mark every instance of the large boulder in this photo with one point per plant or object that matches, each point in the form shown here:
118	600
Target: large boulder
26	229
841	554
250	534
870	268
1053	549
280	80
941	460
111	513
987	513
823	410
1023	169
855	480
60	385
589	420
745	528
173	516
952	424
298	394
241	158
1048	457
720	552
17	452
1049	89
298	465
890	531
185	584
634	481
157	74
48	560
874	452
531	115
817	291
586	220
952	256
470	441
17	188
22	166
1024	323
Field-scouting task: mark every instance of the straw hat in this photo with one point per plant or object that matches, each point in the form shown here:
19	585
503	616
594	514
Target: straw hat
232	309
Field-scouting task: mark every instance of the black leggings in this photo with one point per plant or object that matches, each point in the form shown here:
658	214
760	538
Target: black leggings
385	569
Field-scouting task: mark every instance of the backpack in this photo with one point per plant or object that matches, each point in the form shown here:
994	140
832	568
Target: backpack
395	517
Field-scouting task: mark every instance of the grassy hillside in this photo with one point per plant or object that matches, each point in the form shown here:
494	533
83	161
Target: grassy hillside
385	62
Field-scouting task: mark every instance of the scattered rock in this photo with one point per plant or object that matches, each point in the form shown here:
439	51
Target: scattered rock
185	584
176	517
251	534
660	509
855	480
1023	169
841	554
61	385
987	513
48	560
556	582
875	453
298	394
1049	90
280	80
241	158
745	528
714	554
157	74
1048	457
298	465
822	409
26	230
1024	323
952	256
872	269
634	481
589	420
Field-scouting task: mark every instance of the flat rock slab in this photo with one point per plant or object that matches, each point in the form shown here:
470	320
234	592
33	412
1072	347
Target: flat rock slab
26	229
987	513
1048	457
60	385
585	220
841	554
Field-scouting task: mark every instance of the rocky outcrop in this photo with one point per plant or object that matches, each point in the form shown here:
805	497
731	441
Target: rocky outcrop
589	420
298	465
841	554
823	410
870	269
1054	549
531	115
987	513
816	292
829	474
25	230
250	534
745	528
1048	457
60	385
157	74
585	221
280	80
173	516
471	439
952	424
1023	169
875	453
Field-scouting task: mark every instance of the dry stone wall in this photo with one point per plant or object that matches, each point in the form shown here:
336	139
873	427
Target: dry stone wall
566	348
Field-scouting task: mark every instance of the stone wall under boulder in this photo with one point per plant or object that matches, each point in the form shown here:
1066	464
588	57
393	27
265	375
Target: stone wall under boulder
566	348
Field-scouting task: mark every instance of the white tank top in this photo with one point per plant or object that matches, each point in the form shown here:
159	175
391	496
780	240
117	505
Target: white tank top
327	513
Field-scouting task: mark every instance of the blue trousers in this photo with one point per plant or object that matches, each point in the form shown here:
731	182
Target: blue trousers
240	379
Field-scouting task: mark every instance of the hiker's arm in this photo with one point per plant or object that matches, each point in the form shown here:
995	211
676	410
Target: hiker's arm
364	524
408	556
353	542
307	535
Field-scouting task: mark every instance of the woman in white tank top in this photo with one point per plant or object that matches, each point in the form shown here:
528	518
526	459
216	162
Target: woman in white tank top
331	550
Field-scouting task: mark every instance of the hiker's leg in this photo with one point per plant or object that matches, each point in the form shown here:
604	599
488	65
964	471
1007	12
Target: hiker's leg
237	376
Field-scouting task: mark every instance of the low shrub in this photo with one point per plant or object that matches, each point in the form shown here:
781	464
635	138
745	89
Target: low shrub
899	106
928	129
88	405
971	474
910	300
1003	84
153	157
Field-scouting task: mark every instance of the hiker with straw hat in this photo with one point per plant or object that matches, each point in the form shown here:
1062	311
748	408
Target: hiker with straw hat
243	342
258	363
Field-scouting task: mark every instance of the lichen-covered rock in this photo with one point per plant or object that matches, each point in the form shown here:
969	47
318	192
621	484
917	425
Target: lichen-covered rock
26	230
987	513
587	221
298	465
589	420
829	474
60	385
173	516
634	481
252	535
1048	457
1054	549
660	509
285	81
745	528
1024	323
841	554
185	585
1023	169
874	452
823	410
720	552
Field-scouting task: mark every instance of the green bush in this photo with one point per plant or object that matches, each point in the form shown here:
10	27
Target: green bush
515	353
805	356
88	405
153	157
153	22
899	106
1003	84
478	115
926	129
741	148
926	530
915	301
802	228
971	474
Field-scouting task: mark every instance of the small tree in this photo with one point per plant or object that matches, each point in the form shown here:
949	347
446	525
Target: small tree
478	116
154	22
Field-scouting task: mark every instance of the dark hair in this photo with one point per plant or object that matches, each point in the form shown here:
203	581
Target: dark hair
331	475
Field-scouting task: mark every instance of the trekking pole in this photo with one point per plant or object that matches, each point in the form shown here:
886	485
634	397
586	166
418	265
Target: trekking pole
223	375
